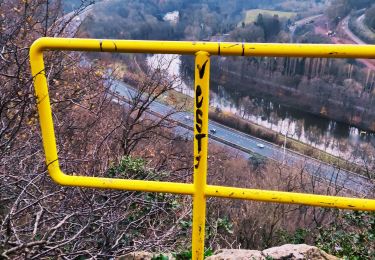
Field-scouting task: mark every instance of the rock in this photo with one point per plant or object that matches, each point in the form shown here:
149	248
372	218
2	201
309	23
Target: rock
285	252
141	255
290	252
299	252
240	254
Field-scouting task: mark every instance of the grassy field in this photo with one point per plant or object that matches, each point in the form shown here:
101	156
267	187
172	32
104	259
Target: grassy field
251	15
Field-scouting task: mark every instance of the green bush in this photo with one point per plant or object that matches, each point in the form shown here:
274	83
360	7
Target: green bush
351	235
160	257
298	237
133	168
187	255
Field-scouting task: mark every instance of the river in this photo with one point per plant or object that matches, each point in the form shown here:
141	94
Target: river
328	135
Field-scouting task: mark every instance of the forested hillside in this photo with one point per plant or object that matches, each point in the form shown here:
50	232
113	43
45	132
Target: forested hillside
99	134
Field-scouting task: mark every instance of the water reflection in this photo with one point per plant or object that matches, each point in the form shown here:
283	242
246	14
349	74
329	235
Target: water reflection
333	137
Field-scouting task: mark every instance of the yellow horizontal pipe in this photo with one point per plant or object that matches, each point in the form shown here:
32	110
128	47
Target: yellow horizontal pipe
213	48
214	191
291	197
121	184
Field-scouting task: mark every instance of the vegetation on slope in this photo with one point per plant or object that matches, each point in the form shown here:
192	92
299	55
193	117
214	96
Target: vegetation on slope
96	136
370	18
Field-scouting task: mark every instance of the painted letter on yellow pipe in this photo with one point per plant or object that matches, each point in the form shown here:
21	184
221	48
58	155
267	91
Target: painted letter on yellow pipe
201	106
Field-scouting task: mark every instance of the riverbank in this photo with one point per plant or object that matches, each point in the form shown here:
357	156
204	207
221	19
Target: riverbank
312	99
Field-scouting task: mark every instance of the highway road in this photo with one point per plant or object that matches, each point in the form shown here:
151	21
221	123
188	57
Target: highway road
67	25
344	24
244	142
352	36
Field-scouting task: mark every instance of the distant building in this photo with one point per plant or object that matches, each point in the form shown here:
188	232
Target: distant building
172	17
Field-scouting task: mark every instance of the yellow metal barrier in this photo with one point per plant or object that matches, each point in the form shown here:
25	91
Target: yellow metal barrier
199	189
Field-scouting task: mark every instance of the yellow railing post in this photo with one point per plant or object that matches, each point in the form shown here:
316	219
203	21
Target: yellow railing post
201	106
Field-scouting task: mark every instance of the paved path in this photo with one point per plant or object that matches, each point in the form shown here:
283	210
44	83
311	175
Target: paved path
345	28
